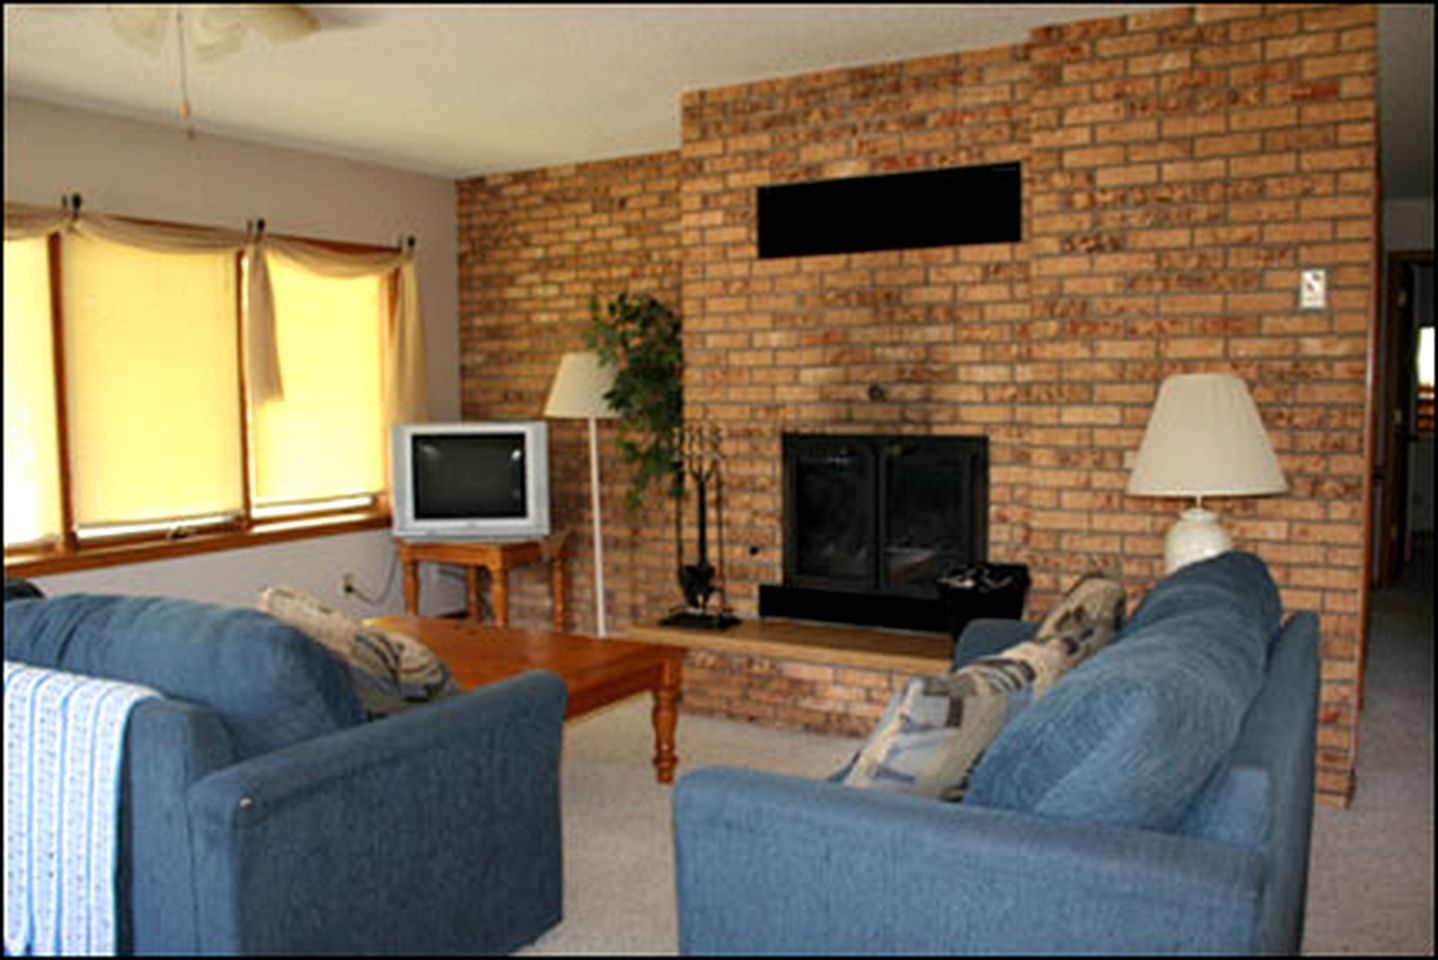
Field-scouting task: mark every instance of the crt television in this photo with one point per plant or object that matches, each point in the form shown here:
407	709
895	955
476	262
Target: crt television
471	481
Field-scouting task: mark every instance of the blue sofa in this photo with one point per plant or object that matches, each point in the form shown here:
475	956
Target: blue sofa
261	814
1157	800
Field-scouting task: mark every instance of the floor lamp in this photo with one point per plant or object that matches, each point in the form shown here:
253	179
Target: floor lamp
578	393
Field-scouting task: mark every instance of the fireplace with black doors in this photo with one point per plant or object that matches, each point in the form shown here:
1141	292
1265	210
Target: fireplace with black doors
871	523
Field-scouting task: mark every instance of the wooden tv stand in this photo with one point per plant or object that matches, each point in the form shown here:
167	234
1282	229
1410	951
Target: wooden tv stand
498	556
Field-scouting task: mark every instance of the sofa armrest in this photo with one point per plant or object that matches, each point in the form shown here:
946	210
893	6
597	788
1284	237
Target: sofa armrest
769	864
986	636
433	831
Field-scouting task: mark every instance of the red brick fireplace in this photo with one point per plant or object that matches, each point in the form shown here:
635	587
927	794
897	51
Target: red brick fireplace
1178	167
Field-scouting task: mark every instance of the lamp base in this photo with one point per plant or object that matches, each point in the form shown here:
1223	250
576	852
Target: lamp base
1196	536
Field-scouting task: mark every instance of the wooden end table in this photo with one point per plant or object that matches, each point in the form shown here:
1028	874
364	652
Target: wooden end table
498	556
596	672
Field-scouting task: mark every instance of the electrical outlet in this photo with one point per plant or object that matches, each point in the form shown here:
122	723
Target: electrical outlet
347	584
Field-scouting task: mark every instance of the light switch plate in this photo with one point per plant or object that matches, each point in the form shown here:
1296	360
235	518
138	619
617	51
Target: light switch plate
1313	290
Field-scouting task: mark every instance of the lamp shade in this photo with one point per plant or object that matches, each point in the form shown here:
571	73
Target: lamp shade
579	388
1205	438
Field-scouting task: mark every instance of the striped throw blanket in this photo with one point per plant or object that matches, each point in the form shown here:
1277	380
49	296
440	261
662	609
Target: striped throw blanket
64	739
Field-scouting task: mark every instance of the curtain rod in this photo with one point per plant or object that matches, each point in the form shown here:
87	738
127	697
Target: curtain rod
72	202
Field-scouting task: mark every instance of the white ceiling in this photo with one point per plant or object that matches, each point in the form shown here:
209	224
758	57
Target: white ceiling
459	91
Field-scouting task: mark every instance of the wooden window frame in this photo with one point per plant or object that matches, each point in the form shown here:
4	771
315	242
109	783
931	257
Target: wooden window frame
69	553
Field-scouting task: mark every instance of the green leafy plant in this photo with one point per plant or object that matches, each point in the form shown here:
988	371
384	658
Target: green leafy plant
639	337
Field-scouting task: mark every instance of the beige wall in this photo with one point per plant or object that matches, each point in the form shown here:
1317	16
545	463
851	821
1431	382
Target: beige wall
124	167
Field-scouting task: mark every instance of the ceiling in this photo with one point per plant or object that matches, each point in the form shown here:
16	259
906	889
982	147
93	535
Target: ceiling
460	91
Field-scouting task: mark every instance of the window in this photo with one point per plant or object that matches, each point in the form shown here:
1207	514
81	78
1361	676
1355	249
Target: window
1424	420
32	461
152	387
319	442
128	419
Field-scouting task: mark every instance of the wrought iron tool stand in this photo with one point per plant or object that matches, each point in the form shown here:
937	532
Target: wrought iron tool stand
697	451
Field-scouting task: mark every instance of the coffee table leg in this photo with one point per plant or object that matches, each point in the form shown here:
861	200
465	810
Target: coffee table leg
666	719
499	594
411	586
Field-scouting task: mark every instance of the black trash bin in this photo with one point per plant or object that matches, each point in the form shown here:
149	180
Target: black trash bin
983	590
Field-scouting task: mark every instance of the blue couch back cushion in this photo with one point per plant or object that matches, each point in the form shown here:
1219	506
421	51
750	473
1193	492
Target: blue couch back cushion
1131	736
270	685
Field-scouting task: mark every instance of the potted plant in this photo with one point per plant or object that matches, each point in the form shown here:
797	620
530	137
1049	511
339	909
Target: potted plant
639	336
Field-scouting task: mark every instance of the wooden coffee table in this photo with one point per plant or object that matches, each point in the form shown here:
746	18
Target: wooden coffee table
596	672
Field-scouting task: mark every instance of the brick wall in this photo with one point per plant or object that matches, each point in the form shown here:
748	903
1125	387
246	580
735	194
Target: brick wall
1180	166
844	701
534	247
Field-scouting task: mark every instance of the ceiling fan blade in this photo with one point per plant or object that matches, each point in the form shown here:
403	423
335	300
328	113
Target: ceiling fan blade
140	26
278	21
214	31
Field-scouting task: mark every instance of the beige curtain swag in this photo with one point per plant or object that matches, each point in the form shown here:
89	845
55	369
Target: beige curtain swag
405	388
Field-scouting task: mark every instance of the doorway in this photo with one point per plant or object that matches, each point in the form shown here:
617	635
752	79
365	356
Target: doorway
1403	448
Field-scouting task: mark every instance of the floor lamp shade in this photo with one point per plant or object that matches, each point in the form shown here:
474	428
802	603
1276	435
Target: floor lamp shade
1204	439
579	388
578	393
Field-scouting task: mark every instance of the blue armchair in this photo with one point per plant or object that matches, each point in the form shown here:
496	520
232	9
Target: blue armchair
771	864
259	812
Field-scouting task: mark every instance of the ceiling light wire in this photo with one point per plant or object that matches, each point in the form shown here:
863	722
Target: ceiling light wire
185	113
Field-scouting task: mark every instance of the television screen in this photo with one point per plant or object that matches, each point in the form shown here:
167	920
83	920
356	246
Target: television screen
461	476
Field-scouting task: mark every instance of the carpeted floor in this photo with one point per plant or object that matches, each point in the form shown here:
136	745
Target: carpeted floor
1370	879
1370	874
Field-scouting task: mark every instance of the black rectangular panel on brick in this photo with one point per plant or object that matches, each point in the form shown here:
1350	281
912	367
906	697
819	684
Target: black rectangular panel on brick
899	211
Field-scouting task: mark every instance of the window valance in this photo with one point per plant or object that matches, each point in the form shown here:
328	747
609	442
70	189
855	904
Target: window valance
404	364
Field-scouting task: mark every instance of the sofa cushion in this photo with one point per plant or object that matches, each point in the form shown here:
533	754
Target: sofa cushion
936	728
389	671
270	685
1131	736
1237	581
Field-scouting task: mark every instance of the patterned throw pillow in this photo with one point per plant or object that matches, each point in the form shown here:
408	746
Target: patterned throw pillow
936	728
390	671
1087	617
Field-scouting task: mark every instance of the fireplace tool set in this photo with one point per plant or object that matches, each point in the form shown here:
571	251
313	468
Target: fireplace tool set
697	459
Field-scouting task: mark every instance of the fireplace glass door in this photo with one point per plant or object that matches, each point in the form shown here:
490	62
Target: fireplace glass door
833	518
887	515
928	524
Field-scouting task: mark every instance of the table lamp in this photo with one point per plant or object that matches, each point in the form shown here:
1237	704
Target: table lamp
1204	439
578	393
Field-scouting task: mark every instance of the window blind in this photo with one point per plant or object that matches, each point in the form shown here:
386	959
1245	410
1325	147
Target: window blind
32	460
325	439
152	385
